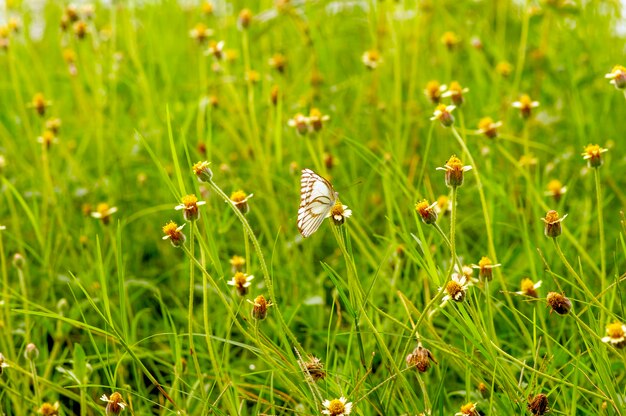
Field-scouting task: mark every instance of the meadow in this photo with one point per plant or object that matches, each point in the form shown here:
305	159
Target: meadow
171	241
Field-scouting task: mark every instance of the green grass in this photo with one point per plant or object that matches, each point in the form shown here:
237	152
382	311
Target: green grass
114	308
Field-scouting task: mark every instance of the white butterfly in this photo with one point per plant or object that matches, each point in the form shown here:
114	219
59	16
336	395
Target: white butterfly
317	198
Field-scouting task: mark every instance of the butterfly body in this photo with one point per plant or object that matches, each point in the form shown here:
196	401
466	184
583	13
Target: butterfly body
317	198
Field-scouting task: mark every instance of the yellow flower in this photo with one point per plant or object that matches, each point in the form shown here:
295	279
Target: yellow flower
300	122
317	119
553	224
216	49
433	91
485	267
468	409
456	288
443	113
529	288
454	170
617	77
200	32
450	40
47	138
455	92
556	189
278	62
202	171
189	206
488	127
525	105
427	211
48	409
339	213
115	403
39	103
593	155
173	232
371	59
504	69
237	263
241	282
245	18
337	407
616	335
240	201
103	212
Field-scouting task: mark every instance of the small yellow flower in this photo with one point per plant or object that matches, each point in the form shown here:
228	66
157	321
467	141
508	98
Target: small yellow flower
556	189
529	288
253	76
245	18
237	263
488	127
593	155
616	335
434	90
450	40
553	224
173	233
216	49
456	288
455	92
444	204
80	29
504	69
468	409
528	160
559	303
200	32
207	8
202	171
278	62
39	103
339	213
115	403
525	105
48	409
47	138
454	171
300	122
259	307
443	113
426	211
485	267
54	125
189	206
240	201
317	119
241	282
371	59
337	407
420	358
103	212
617	77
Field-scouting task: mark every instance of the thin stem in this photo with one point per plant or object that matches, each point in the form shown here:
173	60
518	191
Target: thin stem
453	230
192	268
447	241
596	172
569	267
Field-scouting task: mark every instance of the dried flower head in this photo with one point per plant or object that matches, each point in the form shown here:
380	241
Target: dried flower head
202	171
237	263
314	368
538	405
189	206
103	212
173	232
317	119
525	105
240	201
115	403
454	171
556	189
443	113
339	213
488	127
434	90
426	211
200	33
259	307
241	282
593	155
617	77
337	407
616	335
529	288
450	40
455	92
553	224
371	59
420	358
48	409
468	409
485	267
559	303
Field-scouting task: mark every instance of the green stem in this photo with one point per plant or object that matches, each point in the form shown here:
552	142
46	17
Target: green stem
192	348
596	172
22	280
569	267
453	232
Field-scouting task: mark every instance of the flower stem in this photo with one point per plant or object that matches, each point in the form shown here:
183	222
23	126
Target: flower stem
453	232
596	172
192	268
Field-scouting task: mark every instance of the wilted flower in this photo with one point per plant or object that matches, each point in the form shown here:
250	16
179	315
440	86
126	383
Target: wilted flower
115	403
48	409
259	307
314	368
317	119
189	206
427	212
240	201
237	263
593	155
103	212
300	122
337	407
200	32
525	105
241	282
616	335
559	303
371	59
538	405
468	409
339	213
617	77
202	171
434	90
556	189
488	127
173	232
455	92
454	170
485	267
420	358
553	224
443	113
529	288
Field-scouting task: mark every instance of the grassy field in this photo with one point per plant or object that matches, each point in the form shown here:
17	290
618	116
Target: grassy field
121	122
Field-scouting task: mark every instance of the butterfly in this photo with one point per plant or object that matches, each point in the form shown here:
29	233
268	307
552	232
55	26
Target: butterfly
317	198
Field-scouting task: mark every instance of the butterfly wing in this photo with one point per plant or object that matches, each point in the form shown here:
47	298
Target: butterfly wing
317	197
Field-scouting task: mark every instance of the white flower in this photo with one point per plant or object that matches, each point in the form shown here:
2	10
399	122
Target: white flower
241	279
371	59
457	287
337	407
441	111
339	213
616	334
